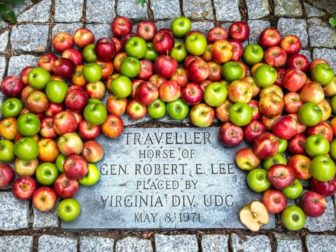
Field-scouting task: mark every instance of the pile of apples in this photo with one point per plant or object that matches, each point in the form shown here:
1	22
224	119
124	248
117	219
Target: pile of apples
267	94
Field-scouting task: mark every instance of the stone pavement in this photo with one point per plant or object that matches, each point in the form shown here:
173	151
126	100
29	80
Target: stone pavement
25	229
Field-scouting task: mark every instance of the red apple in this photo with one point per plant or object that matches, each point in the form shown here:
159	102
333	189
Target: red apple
146	93
254	105
83	37
291	44
198	71
62	41
239	31
221	51
88	131
53	109
300	165
44	199
323	129
70	143
298	61
246	160
280	176
6	175
180	76
24	187
275	56
24	75
11	86
163	42
192	94
76	99
165	66
146	30
65	122
281	73
294	80
269	37
296	144
214	71
324	188
146	69
217	33
230	134
47	61
121	26
292	102
136	110
169	91
253	130
107	68
105	49
285	127
64	68
37	102
65	188
47	128
274	200
113	126
93	151
96	89
115	105
265	145
313	204
271	105
237	49
74	55
75	167
222	111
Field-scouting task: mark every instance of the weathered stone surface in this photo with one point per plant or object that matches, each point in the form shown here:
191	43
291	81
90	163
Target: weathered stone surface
40	12
180	197
52	243
167	243
163	24
198	9
215	243
102	11
326	222
311	11
131	9
284	8
70	28
287	243
298	27
327	5
257	8
250	243
100	30
165	9
29	37
16	243
68	11
3	41
328	54
2	67
133	244
256	27
17	63
19	212
227	10
320	243
45	220
95	244
321	34
129	121
202	26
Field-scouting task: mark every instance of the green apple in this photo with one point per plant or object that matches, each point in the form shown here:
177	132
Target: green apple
68	210
89	53
333	103
11	107
265	76
310	114
92	176
56	91
282	145
156	109
276	159
253	54
332	152
322	73
293	191
177	109
215	94
316	145
257	180
293	218
38	78
121	87
95	113
92	72
28	124
46	174
180	26
240	114
130	67
232	71
322	168
60	162
178	52
26	149
136	47
196	43
151	54
6	151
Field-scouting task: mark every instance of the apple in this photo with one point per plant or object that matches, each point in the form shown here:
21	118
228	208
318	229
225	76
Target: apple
8	128
37	102
322	73
313	204
180	76
68	210
48	150
70	143
146	93
323	168
75	167
231	71
192	94
54	109
265	76
38	78
221	51
26	149
239	31
46	174
237	51
92	177
65	187
83	37
88	131
202	115
165	66
24	75
214	71
196	43
254	215
56	91
6	151
293	191
95	113
177	109
275	56
65	122
62	41
301	166
274	200
257	180
180	26
285	127
146	30
136	110
310	114
292	102
326	189
24	187
312	92
322	128
291	44
130	67
11	107
146	69
25	168
95	90
253	53
246	160
151	54
253	130
198	71
76	100
74	55
326	109
265	145
269	37
240	114
317	145
7	175
297	144
298	61
255	109
330	89
113	126
44	199
217	33
157	109
283	144
293	218
47	61
294	80
178	52
121	87
215	94
89	53
93	151
105	49
64	68
278	158
281	176
169	91
28	124
240	91
136	47
230	135
121	26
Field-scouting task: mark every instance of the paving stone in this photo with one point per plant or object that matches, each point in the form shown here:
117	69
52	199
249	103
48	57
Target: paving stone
3	41
311	11
52	243
17	63
102	11
45	220
287	243
298	27
202	26
68	11
215	243
201	9
256	27
16	243
250	243
131	9
326	222
133	244
2	67
320	243
284	8
257	8
327	5
3	24
163	24
227	10
39	12
306	53
166	9
19	212
71	28
321	34
168	243
95	244
100	30
325	53
30	37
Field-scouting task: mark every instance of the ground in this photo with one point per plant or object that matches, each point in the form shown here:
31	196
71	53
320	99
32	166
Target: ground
25	229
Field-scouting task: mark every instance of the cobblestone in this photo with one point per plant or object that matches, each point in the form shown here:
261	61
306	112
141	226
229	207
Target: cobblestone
16	243
327	5
284	8
320	243
131	9
298	27
166	9
65	12
17	63
95	244
256	27
250	243
257	8
312	11
45	220
321	34
287	243
215	243
133	244
30	37
198	9
51	243
14	214
102	11
168	243
2	66
202	26
227	10
40	12
100	30
3	41
328	54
